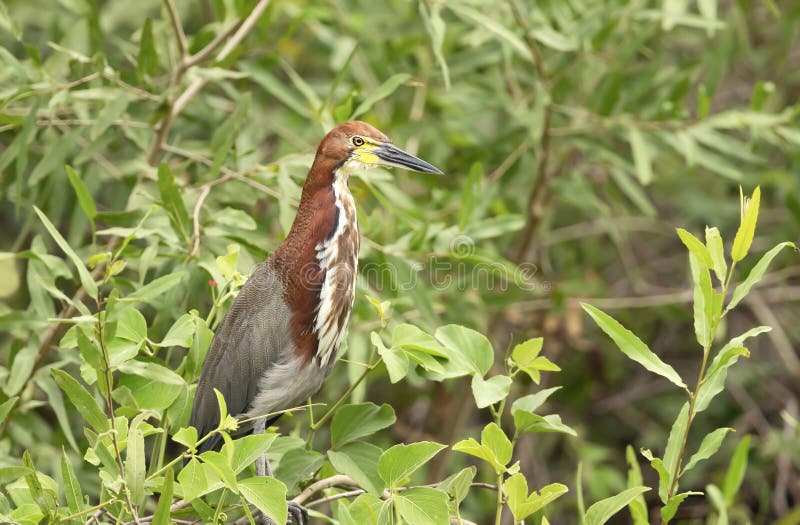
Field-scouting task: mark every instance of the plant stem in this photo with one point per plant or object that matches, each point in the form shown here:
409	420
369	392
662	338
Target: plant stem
498	416
109	378
346	395
90	509
499	513
700	380
246	508
219	504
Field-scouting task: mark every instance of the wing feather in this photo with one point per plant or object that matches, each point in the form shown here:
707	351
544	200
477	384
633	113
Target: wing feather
248	342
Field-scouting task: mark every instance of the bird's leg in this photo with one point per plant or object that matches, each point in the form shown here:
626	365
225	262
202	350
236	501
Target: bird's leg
262	463
297	513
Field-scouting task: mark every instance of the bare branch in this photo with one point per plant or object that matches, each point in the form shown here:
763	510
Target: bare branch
338	480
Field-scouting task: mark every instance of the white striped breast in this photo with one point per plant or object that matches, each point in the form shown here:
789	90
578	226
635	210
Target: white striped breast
338	259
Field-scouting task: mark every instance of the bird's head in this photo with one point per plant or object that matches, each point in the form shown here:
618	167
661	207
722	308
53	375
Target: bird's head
356	145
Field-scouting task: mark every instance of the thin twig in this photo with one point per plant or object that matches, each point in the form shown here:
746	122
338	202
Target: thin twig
333	497
204	191
109	380
180	36
338	480
509	161
535	212
229	173
212	46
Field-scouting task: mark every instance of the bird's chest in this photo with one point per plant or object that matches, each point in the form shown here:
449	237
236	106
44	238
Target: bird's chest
337	257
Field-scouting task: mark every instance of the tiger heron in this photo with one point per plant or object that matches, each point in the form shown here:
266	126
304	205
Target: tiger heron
278	342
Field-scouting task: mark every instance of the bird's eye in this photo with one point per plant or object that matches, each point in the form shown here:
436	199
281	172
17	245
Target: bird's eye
357	141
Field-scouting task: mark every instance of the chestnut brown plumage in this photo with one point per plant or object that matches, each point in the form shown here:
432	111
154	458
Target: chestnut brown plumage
279	340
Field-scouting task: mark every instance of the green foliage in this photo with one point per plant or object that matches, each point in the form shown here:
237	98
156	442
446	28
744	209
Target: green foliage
709	312
152	153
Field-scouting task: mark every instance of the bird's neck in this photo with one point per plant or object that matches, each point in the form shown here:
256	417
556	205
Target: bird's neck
318	262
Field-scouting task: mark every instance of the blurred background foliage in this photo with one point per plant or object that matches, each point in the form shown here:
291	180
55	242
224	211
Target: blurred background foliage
575	136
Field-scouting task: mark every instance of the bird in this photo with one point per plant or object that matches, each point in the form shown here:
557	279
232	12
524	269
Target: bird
279	340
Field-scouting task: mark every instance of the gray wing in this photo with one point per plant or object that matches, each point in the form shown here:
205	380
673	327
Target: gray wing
251	339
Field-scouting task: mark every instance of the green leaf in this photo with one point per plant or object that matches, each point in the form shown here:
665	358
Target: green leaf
668	511
493	437
717	253
152	291
131	325
642	156
747	228
153	371
637	506
187	437
718	502
221	466
756	274
528	423
526	357
225	135
268	494
703	301
247	449
34	483
384	90
180	333
472	346
173	203
675	441
359	461
298	465
718	369
422	505
21	369
696	248
194	480
83	401
6	407
276	88
458	484
498	29
555	39
410	337
494	448
71	485
663	475
523	504
603	510
490	391
162	515
147	61
736	470
86	278
135	462
435	26
82	192
56	400
532	402
395	359
355	421
632	346
709	447
400	461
